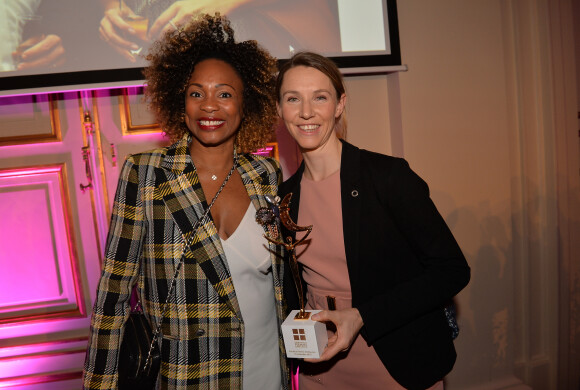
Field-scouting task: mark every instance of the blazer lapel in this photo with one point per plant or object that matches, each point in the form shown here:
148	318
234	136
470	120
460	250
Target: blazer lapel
351	197
177	182
256	180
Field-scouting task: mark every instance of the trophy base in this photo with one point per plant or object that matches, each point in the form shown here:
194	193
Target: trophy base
304	338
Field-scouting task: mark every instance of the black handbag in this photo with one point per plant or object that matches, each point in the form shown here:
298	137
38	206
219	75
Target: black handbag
139	357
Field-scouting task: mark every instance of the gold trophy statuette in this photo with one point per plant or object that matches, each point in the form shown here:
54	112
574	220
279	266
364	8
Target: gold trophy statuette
303	337
290	246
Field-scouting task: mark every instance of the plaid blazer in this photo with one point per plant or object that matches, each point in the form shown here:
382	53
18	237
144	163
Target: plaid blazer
157	203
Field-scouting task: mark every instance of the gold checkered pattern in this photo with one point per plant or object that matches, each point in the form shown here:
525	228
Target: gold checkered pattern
158	201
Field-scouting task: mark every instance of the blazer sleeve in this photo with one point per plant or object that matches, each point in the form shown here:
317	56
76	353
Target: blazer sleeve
120	269
432	265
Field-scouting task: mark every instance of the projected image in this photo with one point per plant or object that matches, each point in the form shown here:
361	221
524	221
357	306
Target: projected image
39	36
130	26
65	37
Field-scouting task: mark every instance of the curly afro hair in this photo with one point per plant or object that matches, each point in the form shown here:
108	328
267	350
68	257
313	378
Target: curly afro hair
172	61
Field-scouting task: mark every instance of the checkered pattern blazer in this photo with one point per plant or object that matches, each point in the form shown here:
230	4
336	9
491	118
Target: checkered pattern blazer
158	201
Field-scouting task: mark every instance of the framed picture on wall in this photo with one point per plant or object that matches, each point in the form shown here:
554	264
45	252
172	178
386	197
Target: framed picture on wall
29	119
135	117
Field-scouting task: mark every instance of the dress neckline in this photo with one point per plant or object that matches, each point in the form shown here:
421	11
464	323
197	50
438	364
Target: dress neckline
246	215
327	178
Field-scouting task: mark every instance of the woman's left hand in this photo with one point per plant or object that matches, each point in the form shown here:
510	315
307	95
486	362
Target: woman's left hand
348	323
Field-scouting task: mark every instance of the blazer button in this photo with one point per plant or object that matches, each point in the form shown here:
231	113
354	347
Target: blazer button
200	332
354	193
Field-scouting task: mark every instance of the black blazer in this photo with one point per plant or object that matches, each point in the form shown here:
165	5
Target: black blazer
404	264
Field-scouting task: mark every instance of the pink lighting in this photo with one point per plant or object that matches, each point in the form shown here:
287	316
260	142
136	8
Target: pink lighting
271	150
40	292
265	151
39	276
23	241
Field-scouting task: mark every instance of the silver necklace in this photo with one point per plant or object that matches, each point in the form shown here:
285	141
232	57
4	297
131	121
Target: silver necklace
214	177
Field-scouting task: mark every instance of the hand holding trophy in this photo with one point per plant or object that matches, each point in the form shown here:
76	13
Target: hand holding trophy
303	337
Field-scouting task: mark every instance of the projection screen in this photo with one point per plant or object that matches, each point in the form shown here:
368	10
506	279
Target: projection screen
59	45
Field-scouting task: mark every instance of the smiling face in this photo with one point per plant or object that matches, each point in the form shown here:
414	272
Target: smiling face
310	107
214	104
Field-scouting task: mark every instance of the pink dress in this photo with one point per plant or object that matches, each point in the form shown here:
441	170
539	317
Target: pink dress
325	273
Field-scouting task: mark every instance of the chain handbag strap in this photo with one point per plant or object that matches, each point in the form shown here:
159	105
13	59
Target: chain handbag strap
188	243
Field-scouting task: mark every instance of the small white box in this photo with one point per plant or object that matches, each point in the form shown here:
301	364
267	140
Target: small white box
304	338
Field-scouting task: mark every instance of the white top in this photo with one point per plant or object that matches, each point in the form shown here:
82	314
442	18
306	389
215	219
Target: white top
251	269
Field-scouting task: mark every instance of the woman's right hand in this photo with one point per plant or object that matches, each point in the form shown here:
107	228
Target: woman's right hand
348	324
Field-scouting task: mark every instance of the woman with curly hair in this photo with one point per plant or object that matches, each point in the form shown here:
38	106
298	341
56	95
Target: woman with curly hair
220	322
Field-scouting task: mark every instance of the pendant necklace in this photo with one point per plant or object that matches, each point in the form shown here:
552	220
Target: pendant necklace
214	176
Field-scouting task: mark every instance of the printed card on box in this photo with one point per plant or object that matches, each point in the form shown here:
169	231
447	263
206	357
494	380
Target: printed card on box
304	338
